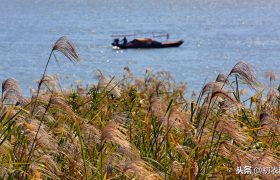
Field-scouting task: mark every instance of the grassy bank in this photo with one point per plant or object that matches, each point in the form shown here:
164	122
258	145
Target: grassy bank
141	128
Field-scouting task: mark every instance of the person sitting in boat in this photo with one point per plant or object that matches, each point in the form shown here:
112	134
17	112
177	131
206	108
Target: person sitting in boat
116	41
124	41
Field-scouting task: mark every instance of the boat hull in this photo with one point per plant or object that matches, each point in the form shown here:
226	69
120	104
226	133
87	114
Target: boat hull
154	44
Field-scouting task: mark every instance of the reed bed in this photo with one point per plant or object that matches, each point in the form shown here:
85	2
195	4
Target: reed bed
139	128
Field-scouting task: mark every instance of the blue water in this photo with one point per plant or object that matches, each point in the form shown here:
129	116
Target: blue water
217	34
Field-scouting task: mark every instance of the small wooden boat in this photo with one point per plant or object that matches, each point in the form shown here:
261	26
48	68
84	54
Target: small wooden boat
145	43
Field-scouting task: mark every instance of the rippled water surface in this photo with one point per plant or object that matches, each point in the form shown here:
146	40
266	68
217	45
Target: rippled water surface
217	34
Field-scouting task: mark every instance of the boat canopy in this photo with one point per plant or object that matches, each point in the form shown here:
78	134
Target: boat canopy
145	40
137	34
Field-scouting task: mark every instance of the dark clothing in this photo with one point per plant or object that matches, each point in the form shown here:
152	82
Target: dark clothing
116	41
124	41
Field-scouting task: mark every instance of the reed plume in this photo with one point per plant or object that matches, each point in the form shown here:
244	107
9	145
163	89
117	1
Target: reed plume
43	139
159	108
11	92
50	82
249	158
91	134
45	166
211	87
269	125
64	46
181	170
108	84
140	170
127	71
216	90
67	48
222	78
270	75
40	111
245	72
115	132
59	103
232	128
179	120
8	84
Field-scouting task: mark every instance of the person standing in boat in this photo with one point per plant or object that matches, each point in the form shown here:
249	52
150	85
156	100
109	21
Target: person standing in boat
124	41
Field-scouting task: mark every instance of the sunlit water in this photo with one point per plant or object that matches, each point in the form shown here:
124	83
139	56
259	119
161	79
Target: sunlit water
217	34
